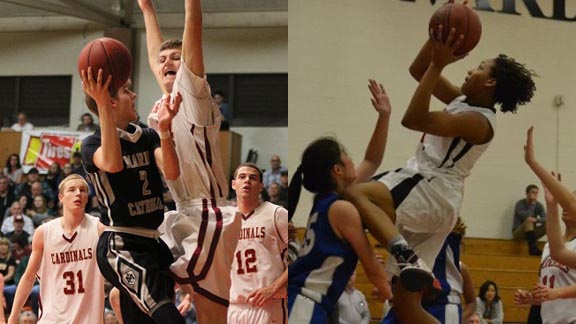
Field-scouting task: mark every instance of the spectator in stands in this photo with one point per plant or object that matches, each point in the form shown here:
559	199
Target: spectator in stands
274	195
352	305
220	100
18	233
66	171
53	178
474	319
529	219
25	188
7	262
273	174
22	123
284	186
27	317
293	243
16	213
110	317
87	124
21	252
39	212
41	189
77	167
25	204
13	170
489	305
6	196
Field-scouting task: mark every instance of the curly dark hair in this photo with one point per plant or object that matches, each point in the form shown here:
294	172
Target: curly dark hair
514	84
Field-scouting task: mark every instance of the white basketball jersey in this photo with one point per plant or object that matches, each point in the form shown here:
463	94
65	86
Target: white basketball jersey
260	256
196	131
71	286
556	275
448	156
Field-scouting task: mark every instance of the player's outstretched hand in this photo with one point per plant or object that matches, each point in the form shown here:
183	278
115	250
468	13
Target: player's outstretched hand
543	293
443	51
523	297
380	99
168	109
145	5
97	90
529	147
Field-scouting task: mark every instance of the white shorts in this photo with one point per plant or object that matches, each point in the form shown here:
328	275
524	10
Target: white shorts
274	311
202	237
427	208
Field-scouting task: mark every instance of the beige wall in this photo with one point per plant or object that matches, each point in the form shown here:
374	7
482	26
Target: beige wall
335	46
227	50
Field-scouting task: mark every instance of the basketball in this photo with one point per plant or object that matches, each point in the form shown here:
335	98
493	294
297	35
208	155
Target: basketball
111	56
463	19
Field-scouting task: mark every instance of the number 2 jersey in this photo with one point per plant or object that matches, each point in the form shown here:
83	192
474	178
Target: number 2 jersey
133	197
71	286
325	263
556	275
260	256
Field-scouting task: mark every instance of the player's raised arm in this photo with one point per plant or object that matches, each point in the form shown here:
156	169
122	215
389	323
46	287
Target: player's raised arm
166	156
377	145
153	37
27	281
192	39
108	157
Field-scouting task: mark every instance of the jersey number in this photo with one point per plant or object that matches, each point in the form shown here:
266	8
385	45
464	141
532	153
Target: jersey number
549	283
250	260
310	237
144	177
70	288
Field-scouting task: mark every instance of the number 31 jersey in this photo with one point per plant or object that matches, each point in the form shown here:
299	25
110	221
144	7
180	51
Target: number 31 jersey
260	254
71	286
556	275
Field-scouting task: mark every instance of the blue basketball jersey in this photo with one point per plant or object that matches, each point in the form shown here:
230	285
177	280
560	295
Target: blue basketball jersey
325	263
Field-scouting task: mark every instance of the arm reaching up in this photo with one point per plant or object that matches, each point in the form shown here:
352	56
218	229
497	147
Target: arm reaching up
377	145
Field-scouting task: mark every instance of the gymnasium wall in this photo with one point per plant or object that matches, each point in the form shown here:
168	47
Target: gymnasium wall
335	46
227	50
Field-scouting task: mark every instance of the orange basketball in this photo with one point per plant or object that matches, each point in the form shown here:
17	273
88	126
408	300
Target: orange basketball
463	19
111	56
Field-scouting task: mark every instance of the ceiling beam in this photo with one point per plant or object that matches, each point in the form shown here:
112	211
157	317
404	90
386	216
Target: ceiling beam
98	14
67	11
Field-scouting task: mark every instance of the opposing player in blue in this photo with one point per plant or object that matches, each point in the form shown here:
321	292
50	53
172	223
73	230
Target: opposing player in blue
335	239
122	161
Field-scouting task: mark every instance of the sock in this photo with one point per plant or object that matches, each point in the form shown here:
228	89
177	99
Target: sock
396	240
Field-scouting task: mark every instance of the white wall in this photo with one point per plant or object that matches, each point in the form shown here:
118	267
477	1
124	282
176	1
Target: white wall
335	46
226	50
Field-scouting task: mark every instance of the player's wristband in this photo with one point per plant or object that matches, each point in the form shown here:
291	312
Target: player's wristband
165	135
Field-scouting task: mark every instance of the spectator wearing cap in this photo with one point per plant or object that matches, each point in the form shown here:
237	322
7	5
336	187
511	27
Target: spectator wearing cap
22	123
25	187
18	231
273	174
16	213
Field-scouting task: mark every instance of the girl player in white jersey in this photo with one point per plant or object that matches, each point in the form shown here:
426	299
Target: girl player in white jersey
413	209
64	261
204	240
556	291
259	272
